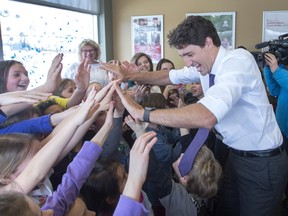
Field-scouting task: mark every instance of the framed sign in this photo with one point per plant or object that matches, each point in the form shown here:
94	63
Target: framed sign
147	36
224	23
275	23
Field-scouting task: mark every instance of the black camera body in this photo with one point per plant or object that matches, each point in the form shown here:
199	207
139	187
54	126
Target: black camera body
278	47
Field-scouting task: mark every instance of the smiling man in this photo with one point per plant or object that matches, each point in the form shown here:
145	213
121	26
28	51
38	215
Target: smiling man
236	106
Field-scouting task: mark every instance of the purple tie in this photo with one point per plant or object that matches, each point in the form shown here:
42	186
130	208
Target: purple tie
211	79
188	158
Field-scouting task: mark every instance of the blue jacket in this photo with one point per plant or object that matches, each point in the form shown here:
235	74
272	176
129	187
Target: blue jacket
277	84
40	125
166	148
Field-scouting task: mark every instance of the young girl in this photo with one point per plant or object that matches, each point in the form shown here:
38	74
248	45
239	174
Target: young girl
165	64
65	89
143	62
14	77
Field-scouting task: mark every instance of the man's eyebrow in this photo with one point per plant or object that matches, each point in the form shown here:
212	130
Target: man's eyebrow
187	53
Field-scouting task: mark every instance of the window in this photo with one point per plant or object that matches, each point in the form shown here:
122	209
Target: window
34	34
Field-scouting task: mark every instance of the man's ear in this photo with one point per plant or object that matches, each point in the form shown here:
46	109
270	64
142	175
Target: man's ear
48	212
208	41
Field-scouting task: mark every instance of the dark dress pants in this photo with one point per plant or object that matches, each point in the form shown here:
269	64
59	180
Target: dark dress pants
253	186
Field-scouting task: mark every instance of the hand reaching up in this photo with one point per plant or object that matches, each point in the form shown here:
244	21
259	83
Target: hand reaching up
106	128
122	70
139	92
129	103
82	77
137	126
87	108
105	95
54	74
139	158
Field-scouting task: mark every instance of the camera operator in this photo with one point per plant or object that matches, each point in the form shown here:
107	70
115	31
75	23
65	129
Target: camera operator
276	77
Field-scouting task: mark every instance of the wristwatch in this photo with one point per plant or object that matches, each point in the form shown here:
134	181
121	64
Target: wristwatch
146	116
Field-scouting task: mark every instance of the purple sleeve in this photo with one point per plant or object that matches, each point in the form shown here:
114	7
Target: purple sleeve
39	125
129	207
77	173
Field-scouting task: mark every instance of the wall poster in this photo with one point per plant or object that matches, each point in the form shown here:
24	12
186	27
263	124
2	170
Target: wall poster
224	23
147	36
275	23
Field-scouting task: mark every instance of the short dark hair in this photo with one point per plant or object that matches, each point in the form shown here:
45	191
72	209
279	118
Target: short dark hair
162	61
155	100
101	184
193	30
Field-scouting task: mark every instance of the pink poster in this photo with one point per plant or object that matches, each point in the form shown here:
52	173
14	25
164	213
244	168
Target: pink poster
147	36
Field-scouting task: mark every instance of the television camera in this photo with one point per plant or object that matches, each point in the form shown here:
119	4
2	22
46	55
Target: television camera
278	47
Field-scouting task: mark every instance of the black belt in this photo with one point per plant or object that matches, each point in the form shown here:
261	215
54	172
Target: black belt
261	153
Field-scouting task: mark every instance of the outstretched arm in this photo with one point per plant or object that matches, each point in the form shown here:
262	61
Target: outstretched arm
79	170
139	157
103	104
190	116
129	71
28	97
53	81
43	161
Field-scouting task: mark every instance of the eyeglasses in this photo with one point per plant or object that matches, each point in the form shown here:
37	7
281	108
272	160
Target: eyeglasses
89	51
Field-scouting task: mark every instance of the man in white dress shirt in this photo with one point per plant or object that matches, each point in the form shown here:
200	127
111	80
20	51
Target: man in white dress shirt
236	106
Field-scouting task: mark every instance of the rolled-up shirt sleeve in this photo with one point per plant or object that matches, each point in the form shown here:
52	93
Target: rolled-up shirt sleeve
186	75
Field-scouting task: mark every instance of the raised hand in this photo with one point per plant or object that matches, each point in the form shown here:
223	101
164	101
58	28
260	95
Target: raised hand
129	103
87	108
122	70
139	158
167	89
139	92
82	77
174	100
132	67
54	74
119	107
137	126
105	99
101	94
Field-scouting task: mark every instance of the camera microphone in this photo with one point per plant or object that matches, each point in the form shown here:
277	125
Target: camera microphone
262	45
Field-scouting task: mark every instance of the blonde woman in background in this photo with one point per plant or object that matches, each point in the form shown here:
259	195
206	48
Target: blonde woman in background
89	49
